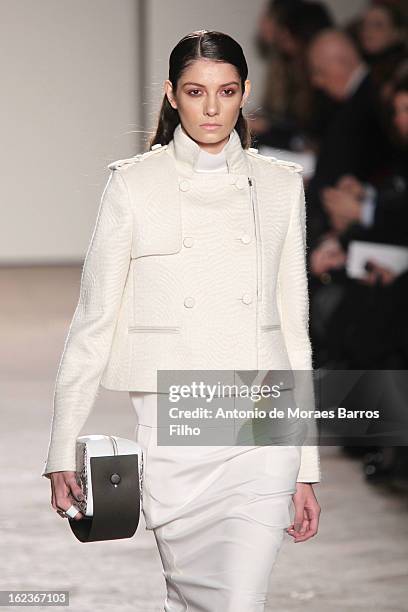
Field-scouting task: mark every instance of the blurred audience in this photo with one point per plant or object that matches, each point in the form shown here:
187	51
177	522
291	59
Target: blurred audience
357	332
362	324
355	141
292	111
382	36
341	95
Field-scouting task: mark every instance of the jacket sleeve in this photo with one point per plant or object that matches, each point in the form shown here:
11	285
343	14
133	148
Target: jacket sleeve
293	301
89	339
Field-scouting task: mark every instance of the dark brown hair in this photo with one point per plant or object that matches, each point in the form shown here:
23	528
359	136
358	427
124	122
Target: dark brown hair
303	20
400	83
212	45
394	11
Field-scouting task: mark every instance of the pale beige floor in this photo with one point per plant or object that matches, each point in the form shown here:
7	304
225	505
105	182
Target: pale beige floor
357	562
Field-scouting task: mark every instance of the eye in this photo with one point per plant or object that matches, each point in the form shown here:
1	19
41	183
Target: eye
232	91
191	91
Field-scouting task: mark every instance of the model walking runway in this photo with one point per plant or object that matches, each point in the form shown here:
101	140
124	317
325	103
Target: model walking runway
198	263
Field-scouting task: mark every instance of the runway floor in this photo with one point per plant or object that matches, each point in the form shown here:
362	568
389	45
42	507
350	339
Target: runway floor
357	562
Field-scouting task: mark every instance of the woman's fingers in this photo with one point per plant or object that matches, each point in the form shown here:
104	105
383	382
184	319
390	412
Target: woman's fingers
75	488
300	527
311	530
67	503
299	517
65	492
308	530
307	513
64	502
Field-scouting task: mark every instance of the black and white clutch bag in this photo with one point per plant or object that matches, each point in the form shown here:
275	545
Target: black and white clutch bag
110	472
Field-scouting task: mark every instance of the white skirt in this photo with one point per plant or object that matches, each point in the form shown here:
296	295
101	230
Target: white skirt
218	513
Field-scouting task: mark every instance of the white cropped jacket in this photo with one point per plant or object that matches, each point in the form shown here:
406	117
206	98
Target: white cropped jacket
187	271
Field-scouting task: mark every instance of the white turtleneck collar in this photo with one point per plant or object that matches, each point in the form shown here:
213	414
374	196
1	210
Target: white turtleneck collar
211	162
186	153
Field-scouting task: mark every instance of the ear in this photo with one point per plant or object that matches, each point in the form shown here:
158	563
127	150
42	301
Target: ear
168	89
246	93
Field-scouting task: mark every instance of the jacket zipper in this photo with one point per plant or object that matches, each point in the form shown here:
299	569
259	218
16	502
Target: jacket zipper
255	214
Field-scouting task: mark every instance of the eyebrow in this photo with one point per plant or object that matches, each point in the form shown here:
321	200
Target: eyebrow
200	85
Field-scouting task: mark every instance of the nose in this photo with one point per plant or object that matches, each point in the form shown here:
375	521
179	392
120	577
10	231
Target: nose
211	106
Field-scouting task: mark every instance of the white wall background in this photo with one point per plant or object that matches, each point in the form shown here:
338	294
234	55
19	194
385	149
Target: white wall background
343	10
69	102
80	81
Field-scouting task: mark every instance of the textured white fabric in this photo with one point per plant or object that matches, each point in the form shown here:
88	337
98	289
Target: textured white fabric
218	516
218	513
211	162
185	271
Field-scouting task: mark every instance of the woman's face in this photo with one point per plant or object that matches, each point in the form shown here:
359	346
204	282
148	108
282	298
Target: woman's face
401	113
377	30
208	94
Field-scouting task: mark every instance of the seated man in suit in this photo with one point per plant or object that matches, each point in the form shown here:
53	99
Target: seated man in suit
365	323
356	140
357	331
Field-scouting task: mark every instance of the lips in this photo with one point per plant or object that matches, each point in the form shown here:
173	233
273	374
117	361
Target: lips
210	126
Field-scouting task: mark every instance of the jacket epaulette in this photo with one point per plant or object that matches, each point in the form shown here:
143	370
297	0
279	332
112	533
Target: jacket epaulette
136	158
293	166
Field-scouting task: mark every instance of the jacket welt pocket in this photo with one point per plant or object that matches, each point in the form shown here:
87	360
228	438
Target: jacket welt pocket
160	329
267	328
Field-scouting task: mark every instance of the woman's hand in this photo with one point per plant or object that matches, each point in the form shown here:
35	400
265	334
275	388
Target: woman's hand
65	491
307	512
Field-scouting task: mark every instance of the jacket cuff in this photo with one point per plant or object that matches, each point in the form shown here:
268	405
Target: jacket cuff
310	469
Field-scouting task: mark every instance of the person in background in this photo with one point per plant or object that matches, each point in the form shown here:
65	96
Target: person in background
356	140
380	214
382	39
367	326
292	113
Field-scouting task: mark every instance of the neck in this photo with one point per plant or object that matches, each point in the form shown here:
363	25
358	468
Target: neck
211	162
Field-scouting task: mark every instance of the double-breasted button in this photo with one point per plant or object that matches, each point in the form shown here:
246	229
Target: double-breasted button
188	241
247	298
189	302
184	185
240	183
246	238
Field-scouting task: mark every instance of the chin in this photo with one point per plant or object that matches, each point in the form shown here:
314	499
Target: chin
219	134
